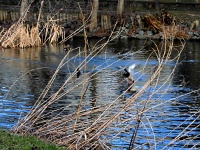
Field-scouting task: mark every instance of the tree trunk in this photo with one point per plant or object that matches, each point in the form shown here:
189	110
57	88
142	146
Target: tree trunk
120	7
23	9
93	20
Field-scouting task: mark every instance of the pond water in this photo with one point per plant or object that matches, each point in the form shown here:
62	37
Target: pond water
174	109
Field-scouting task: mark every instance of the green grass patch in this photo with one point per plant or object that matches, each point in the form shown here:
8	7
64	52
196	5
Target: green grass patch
10	141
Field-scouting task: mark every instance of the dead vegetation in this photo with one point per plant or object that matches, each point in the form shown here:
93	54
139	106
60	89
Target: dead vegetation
22	36
94	128
164	23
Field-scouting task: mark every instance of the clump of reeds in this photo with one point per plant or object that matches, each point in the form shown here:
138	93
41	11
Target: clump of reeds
52	32
174	31
19	35
24	35
74	129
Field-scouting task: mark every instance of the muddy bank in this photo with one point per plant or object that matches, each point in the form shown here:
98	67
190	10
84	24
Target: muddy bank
143	25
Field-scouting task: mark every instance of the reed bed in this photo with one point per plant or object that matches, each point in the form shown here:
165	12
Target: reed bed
98	126
22	36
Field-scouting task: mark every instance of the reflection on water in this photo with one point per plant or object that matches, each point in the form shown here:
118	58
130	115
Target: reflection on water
171	113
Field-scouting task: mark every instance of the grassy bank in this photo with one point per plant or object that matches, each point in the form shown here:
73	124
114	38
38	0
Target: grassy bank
16	142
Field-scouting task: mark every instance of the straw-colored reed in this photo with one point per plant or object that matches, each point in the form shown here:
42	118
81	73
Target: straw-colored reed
19	35
74	129
77	129
173	31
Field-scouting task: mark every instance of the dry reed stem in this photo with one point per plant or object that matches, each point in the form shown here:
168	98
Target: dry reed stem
85	67
39	15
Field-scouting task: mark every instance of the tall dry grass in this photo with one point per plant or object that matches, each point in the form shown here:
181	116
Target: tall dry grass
21	35
76	131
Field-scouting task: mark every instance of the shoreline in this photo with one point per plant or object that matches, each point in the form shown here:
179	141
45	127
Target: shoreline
154	26
139	37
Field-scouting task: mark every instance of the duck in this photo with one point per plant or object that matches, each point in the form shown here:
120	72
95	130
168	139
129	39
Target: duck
129	77
78	72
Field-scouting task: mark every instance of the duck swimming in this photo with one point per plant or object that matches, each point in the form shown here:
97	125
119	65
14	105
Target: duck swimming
78	72
128	74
